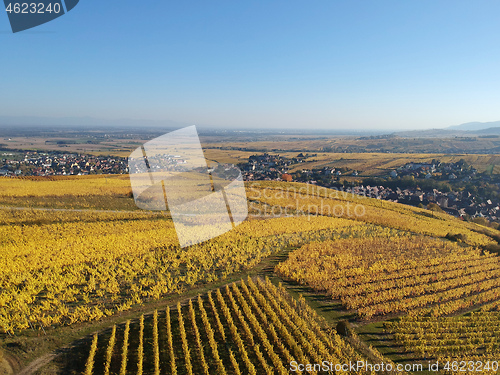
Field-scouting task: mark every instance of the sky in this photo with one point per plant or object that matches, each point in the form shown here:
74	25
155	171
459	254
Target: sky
291	64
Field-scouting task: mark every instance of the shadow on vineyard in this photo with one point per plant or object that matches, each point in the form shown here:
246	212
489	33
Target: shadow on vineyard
329	309
374	334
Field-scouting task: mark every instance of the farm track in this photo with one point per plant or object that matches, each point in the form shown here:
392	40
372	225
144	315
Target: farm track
74	210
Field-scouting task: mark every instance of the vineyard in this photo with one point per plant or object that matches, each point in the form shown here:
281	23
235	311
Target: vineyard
266	200
403	274
87	265
470	341
474	334
310	200
252	327
109	192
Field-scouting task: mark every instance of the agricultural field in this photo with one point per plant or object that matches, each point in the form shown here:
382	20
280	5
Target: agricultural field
71	272
252	327
99	192
271	199
352	144
115	146
369	156
405	275
366	163
94	265
472	335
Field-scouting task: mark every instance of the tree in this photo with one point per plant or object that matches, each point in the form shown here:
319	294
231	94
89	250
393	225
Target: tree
434	207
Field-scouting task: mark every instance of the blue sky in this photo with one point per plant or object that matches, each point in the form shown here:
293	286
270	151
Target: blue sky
322	64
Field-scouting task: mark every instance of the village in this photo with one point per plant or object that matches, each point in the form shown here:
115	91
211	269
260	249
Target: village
431	184
33	163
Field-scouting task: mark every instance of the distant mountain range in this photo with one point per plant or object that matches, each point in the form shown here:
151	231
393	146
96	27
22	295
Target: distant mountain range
469	129
471	126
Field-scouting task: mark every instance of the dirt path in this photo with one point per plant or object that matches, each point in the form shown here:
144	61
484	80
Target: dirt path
20	208
8	365
37	364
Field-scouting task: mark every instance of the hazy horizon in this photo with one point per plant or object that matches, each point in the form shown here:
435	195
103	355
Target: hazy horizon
98	123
